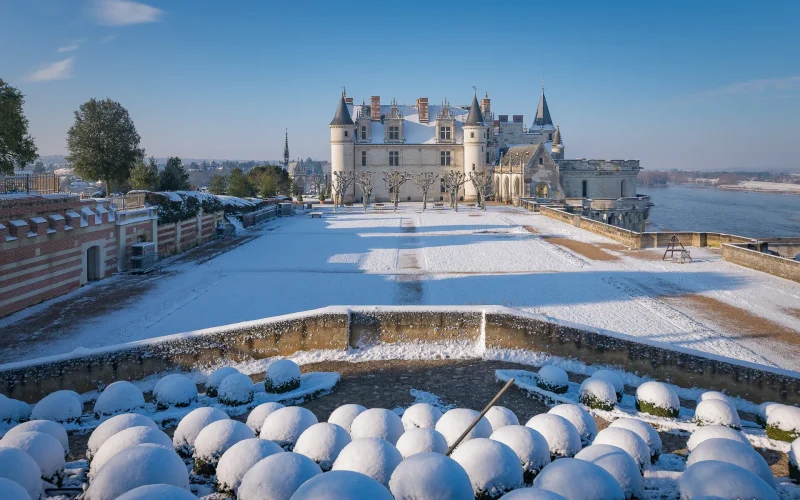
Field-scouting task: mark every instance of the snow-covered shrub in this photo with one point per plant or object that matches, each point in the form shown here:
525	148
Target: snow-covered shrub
430	475
714	395
763	410
174	390
715	479
260	413
48	427
493	467
619	464
239	459
614	378
578	417
530	446
190	426
579	480
285	425
657	398
114	425
598	394
176	206
377	423
454	422
552	378
282	375
717	412
725	450
45	450
794	461
59	406
421	440
9	490
344	415
628	441
13	410
125	439
140	465
562	437
783	423
645	431
118	397
216	377
531	494
158	491
322	443
342	485
214	440
420	415
277	476
499	416
21	468
235	389
374	457
714	432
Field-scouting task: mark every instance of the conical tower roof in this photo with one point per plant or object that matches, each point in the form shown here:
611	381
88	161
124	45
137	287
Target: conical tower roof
557	137
342	116
542	113
475	117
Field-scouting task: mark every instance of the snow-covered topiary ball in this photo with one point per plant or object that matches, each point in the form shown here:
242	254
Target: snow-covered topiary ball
140	465
598	394
763	410
421	440
552	378
714	395
644	431
657	398
562	437
118	397
420	415
342	485
578	417
628	441
725	450
377	423
236	389
9	490
493	467
794	460
614	378
430	475
282	375
239	459
715	479
619	464
174	390
260	413
454	422
530	446
45	450
579	480
48	427
158	491
114	425
13	410
531	494
322	443
126	439
344	415
783	423
59	406
190	426
21	468
216	377
717	412
285	425
278	476
500	416
714	432
374	457
214	440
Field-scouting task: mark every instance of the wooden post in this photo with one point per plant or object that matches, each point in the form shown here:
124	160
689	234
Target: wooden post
485	410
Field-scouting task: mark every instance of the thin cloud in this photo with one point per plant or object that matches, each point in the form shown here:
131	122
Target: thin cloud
68	48
108	39
122	12
60	70
761	87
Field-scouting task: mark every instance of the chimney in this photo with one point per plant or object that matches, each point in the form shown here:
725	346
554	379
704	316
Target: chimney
486	106
422	109
375	107
348	100
503	118
517	118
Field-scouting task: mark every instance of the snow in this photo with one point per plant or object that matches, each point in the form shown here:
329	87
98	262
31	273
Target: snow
580	418
260	413
531	494
725	450
493	467
342	485
374	457
563	439
235	389
322	443
421	415
60	406
712	478
552	378
281	376
714	432
13	410
216	377
579	480
140	465
714	395
794	453
615	380
430	475
785	418
421	440
285	425
46	450
159	491
174	390
215	439
119	397
717	412
112	426
239	459
659	395
628	441
190	426
48	427
9	490
598	393
499	416
644	431
344	415
277	477
764	410
619	464
125	439
454	422
18	466
529	445
377	423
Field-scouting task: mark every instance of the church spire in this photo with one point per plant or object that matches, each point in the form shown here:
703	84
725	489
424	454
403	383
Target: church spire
557	137
543	113
286	150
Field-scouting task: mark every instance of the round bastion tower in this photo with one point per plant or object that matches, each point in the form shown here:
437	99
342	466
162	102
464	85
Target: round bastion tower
343	143
474	147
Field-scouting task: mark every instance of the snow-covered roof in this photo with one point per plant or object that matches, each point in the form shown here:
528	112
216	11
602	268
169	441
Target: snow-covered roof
18	223
415	132
38	220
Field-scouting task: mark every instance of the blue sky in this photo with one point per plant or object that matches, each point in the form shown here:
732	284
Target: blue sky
710	84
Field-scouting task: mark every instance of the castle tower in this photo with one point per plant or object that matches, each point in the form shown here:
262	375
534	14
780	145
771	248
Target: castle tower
543	120
342	140
474	146
286	151
557	149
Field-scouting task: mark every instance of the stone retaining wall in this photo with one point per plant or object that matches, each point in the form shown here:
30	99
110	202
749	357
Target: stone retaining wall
764	262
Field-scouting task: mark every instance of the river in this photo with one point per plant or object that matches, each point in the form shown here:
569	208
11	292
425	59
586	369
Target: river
706	209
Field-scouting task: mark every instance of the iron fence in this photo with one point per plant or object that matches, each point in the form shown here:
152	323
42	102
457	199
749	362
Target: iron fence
127	201
29	183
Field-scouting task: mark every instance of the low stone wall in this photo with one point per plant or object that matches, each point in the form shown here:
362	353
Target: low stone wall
764	262
176	237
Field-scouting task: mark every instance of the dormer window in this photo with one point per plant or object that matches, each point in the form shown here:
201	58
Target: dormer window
550	136
363	132
394	133
541	160
444	133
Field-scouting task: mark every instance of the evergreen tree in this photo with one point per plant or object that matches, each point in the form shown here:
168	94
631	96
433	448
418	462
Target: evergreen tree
239	185
16	144
218	184
267	186
174	176
145	175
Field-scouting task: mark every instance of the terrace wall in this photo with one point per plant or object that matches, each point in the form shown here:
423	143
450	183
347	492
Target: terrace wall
179	236
764	262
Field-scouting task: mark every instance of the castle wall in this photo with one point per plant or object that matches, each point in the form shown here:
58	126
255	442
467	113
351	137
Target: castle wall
601	183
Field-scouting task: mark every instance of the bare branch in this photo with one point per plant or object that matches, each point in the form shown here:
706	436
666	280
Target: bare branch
424	181
394	179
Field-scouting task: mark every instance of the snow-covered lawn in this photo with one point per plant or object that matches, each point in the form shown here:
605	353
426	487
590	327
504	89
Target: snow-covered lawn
446	258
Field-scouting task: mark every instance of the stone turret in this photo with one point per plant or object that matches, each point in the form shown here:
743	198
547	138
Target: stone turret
557	149
474	146
342	139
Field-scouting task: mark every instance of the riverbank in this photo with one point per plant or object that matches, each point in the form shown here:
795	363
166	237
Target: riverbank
764	187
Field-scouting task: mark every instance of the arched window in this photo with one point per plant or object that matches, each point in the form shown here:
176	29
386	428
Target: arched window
585	185
622	189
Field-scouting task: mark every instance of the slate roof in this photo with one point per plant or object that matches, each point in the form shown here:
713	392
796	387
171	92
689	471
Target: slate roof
475	117
342	116
542	113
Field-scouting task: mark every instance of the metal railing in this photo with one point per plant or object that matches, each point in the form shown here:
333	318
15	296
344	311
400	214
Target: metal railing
29	183
129	201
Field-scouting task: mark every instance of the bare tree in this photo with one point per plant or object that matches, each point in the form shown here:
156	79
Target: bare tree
483	185
317	180
424	181
339	183
394	179
365	180
453	180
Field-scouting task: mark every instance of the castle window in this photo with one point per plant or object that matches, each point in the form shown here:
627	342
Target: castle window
363	158
345	133
487	158
394	158
444	158
394	133
585	186
472	135
473	167
364	132
444	133
541	160
550	136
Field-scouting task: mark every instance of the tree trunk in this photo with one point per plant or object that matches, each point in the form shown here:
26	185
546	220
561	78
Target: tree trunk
424	200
